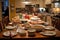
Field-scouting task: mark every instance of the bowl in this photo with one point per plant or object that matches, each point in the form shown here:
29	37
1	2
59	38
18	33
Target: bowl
22	33
31	32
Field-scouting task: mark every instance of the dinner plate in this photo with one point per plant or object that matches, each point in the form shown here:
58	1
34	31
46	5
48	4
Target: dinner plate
46	23
35	18
10	27
23	19
13	33
49	28
9	33
38	25
31	30
21	31
48	33
11	23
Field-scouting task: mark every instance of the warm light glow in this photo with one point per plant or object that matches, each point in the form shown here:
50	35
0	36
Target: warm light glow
56	4
26	2
57	10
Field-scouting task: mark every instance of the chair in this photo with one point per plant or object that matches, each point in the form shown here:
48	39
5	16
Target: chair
5	21
53	21
1	26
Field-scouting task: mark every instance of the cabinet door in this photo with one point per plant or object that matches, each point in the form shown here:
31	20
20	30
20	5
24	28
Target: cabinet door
0	10
12	9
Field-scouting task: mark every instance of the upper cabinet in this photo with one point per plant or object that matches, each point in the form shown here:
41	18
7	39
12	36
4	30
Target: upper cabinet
48	1
0	10
12	9
56	3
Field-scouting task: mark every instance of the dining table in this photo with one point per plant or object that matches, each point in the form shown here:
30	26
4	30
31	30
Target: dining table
37	34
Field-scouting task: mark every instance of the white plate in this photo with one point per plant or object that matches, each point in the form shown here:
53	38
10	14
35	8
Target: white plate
49	33
13	33
23	19
10	27
34	19
11	23
31	30
49	28
10	33
6	33
21	32
38	25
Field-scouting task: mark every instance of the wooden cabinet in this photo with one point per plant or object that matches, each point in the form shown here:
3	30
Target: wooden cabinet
0	11
12	9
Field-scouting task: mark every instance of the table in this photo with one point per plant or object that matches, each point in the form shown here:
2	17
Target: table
37	35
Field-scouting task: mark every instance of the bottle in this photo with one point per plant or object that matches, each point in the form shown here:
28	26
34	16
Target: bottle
20	15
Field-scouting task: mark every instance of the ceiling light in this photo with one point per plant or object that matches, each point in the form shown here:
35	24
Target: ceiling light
26	2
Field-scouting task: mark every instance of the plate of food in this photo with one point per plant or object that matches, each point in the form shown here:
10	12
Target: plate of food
48	33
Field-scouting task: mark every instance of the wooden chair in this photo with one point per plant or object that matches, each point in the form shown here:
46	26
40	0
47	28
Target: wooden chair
5	21
1	26
53	21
